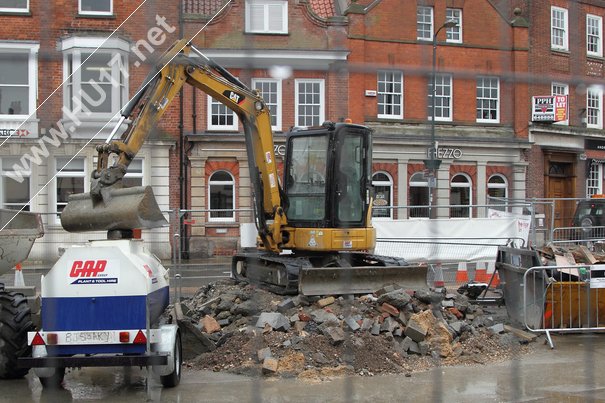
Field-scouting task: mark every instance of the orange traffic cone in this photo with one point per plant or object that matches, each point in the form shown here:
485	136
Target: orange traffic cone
19	281
481	273
438	281
462	273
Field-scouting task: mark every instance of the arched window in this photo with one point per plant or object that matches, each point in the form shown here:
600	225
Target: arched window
460	196
497	188
221	201
383	195
419	195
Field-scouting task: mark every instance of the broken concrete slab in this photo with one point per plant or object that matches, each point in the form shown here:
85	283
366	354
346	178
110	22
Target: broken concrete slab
352	323
285	305
397	298
321	316
416	329
335	334
275	320
270	365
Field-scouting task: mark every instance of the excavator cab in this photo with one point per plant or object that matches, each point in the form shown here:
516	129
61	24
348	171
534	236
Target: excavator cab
327	176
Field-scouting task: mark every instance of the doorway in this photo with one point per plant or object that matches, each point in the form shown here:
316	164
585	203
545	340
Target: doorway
560	184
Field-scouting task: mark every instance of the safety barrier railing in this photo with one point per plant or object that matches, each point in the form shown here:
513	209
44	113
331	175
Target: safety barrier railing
564	299
570	236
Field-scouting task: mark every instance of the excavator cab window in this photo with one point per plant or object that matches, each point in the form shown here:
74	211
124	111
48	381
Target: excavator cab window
349	196
328	176
306	182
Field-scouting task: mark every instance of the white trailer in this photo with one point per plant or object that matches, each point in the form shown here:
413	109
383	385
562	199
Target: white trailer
101	306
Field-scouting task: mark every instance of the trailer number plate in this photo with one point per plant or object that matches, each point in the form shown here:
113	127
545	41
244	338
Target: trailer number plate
90	337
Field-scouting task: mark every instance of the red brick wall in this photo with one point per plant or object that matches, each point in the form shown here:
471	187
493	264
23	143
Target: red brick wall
381	41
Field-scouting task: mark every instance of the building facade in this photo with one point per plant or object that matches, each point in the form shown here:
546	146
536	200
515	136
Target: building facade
66	70
567	157
479	124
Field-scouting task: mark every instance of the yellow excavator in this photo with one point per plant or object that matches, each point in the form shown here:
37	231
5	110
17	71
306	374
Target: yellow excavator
314	227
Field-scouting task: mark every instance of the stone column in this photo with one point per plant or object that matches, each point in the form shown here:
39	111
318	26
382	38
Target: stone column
402	189
481	186
442	192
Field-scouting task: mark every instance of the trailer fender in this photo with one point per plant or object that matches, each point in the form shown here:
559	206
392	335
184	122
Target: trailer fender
166	346
42	372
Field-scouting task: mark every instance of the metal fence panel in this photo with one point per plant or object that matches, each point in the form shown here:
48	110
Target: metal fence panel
564	299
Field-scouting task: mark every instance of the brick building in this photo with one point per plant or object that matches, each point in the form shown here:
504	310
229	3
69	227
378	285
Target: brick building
480	107
293	52
66	69
566	58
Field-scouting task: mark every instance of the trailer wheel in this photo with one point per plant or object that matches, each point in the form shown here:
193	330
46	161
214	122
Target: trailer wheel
173	379
54	381
15	322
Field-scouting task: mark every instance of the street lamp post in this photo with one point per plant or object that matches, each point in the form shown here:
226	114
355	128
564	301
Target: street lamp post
433	162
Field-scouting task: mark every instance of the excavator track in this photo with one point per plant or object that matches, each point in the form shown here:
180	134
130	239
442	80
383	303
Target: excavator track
321	274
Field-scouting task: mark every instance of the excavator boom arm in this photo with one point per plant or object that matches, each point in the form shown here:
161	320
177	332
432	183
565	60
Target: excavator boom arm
175	68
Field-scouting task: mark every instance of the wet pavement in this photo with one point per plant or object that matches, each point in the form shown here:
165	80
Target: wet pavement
572	372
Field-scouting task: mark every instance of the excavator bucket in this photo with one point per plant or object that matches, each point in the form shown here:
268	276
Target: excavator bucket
359	280
120	209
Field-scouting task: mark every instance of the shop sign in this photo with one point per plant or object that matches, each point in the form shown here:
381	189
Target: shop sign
444	153
279	149
594	144
550	108
14	132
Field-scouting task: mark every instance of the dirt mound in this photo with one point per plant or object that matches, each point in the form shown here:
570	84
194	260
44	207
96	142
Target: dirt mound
392	331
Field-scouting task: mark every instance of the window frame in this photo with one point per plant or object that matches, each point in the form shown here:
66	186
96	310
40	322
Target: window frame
466	185
67	174
322	99
497	109
594	176
212	183
441	86
275	107
212	127
392	94
599	36
72	49
95	13
503	185
424	212
457	30
384	183
32	77
598	91
15	9
131	174
564	29
3	177
266	4
427	35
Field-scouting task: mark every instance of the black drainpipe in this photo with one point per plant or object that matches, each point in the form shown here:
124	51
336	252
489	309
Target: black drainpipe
182	158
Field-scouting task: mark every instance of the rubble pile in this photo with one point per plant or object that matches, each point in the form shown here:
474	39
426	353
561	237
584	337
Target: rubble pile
569	256
252	331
